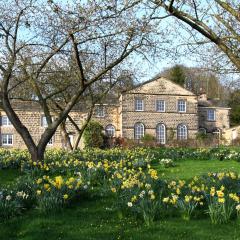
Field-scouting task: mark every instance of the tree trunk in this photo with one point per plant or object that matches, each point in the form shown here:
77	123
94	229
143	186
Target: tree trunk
37	155
80	131
79	136
67	143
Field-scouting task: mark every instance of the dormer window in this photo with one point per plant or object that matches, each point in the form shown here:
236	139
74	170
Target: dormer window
211	115
100	111
138	104
181	106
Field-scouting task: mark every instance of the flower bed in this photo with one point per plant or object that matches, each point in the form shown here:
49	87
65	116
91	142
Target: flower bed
128	176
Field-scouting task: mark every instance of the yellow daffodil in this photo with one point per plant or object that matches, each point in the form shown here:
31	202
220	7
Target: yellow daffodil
65	196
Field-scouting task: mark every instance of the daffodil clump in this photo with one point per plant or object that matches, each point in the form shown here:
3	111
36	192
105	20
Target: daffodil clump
177	154
16	198
167	162
129	175
142	192
11	202
60	161
53	193
215	193
13	158
137	189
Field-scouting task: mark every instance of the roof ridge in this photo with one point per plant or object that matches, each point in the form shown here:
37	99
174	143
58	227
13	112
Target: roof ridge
155	79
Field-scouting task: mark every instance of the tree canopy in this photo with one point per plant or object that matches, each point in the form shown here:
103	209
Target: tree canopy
53	51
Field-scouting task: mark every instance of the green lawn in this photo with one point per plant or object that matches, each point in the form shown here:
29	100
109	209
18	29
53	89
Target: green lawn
95	219
8	175
185	169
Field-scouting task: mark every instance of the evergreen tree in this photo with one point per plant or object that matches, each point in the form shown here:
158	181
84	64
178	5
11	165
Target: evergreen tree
93	135
234	103
177	74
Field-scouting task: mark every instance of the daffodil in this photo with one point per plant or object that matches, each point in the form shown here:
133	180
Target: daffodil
221	200
65	196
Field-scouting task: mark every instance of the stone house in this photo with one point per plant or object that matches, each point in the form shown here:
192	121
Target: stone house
158	107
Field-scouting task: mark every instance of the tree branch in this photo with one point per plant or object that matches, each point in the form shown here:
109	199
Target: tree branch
45	62
228	8
78	61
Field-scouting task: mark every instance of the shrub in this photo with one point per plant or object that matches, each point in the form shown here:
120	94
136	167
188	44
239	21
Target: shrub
236	142
148	138
93	135
201	136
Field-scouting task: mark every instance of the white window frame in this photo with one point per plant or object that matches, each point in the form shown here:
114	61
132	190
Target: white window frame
7	138
139	131
161	133
211	114
6	121
182	132
182	104
139	105
110	130
100	111
159	105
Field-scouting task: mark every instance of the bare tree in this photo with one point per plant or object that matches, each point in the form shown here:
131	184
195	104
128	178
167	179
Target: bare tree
91	99
34	35
217	20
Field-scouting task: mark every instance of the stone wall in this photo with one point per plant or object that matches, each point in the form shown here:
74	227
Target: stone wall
221	118
111	116
32	119
150	117
123	115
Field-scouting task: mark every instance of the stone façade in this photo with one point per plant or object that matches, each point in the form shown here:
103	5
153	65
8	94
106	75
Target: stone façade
123	115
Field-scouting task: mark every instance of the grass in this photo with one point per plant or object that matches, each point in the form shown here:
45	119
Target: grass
90	220
186	169
95	218
8	175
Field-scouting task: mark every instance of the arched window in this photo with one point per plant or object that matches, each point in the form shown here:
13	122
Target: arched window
138	130
161	133
182	132
110	130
